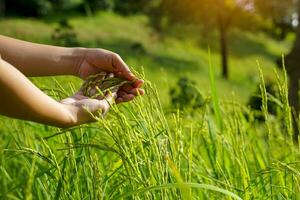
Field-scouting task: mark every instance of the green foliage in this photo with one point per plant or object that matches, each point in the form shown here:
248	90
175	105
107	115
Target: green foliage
65	35
255	101
95	5
186	95
119	6
34	8
27	7
276	10
280	15
205	13
130	6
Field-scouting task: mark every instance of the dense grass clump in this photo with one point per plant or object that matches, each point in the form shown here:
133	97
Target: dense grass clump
141	152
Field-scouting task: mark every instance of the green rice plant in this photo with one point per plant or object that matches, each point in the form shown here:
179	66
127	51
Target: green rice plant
215	98
141	151
99	84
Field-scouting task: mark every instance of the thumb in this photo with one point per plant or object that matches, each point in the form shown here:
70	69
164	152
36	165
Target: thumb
122	68
110	97
107	102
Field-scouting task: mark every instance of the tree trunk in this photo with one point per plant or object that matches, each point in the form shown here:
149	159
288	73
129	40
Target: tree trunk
224	53
294	103
293	69
223	45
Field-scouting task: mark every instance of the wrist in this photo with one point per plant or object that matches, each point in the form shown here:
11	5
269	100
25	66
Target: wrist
71	115
75	115
79	54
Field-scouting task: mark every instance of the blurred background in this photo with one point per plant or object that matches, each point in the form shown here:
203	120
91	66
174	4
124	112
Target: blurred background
168	40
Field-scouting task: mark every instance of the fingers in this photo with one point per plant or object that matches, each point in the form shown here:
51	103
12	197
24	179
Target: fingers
72	99
104	60
91	105
137	91
106	103
110	97
109	75
121	67
104	106
68	101
125	96
94	106
127	88
114	66
138	83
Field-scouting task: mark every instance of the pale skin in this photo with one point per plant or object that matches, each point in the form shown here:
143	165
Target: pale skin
21	99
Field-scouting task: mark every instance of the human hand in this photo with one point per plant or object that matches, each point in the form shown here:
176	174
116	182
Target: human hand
100	60
83	109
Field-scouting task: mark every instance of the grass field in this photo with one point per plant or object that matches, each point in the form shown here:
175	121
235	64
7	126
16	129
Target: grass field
145	150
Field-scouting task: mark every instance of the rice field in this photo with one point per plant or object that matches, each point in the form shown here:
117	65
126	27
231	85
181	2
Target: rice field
144	151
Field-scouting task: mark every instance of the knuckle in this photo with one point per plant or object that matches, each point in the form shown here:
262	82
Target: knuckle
116	56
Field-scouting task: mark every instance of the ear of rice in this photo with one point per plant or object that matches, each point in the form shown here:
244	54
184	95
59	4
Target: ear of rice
98	85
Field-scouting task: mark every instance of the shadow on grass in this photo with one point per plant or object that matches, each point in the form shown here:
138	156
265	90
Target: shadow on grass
133	49
240	44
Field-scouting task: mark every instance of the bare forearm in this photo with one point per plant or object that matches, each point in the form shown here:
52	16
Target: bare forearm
19	98
40	60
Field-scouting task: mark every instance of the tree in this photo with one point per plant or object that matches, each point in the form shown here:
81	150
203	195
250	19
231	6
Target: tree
278	11
33	8
130	6
120	6
27	7
292	63
220	15
91	6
